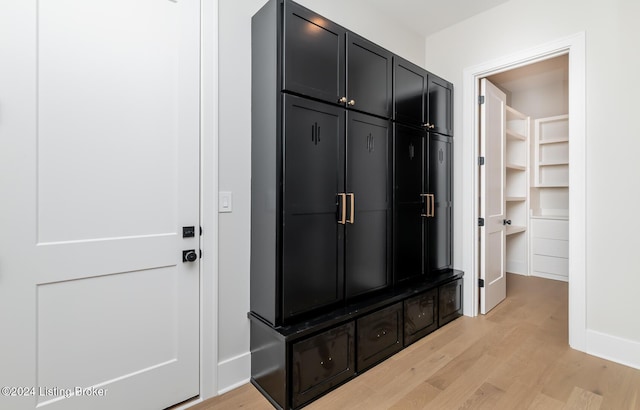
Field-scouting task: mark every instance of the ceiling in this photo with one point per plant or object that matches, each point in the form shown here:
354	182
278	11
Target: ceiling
552	71
426	17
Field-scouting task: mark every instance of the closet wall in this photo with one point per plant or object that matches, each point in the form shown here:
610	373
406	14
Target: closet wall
540	91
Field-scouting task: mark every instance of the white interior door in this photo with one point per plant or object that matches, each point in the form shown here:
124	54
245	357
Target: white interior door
99	172
492	201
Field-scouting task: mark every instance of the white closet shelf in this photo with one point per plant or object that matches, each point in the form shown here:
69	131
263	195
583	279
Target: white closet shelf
553	163
552	185
515	198
512	113
516	167
513	229
515	135
554	141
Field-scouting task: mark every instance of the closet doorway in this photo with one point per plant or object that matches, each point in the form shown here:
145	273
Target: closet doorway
524	176
469	239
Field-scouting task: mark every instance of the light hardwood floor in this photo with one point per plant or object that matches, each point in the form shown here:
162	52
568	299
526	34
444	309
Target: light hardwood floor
515	357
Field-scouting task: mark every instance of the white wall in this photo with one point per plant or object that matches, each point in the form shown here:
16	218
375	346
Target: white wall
612	137
235	157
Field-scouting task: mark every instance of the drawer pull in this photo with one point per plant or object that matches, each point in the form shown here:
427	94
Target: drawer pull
384	332
322	361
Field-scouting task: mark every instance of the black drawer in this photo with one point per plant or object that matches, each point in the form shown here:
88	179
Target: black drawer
449	301
379	335
420	316
322	362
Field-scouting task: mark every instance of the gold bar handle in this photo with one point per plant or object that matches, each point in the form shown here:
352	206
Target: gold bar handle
433	205
343	205
425	212
353	205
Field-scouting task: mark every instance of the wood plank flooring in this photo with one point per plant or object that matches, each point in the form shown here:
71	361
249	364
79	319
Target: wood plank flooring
515	357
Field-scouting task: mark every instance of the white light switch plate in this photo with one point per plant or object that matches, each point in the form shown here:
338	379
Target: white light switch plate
225	201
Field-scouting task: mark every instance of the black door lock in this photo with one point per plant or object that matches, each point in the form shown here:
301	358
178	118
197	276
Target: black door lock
189	255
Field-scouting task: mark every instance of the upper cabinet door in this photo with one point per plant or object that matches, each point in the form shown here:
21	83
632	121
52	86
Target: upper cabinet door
409	91
369	70
440	106
314	50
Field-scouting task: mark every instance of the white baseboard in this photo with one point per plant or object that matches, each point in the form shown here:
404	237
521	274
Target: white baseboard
234	372
553	276
616	349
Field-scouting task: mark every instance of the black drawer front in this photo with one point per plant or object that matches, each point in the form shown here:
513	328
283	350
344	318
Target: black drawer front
420	316
450	301
379	335
322	362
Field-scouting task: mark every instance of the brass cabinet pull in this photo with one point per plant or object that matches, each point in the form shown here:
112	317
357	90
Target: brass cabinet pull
343	205
342	100
433	205
351	102
429	205
425	211
353	204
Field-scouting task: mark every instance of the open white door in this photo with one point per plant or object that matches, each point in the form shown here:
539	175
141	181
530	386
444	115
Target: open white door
492	201
99	173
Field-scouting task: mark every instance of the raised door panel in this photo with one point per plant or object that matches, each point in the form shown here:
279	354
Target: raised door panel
368	234
379	335
439	224
408	184
440	106
420	316
368	76
98	126
314	54
322	362
313	175
409	90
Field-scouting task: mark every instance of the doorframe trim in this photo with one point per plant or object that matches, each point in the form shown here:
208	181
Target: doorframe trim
575	47
208	199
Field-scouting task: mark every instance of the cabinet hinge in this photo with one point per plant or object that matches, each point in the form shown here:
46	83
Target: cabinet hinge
480	221
480	160
200	253
481	99
481	283
200	231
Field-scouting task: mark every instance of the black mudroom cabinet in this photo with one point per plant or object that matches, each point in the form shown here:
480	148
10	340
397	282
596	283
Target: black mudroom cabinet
325	61
422	99
336	232
351	256
423	203
423	172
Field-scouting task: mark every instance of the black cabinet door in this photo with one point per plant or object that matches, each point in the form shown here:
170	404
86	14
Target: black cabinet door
438	237
368	76
409	91
408	204
314	53
440	106
312	264
368	239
